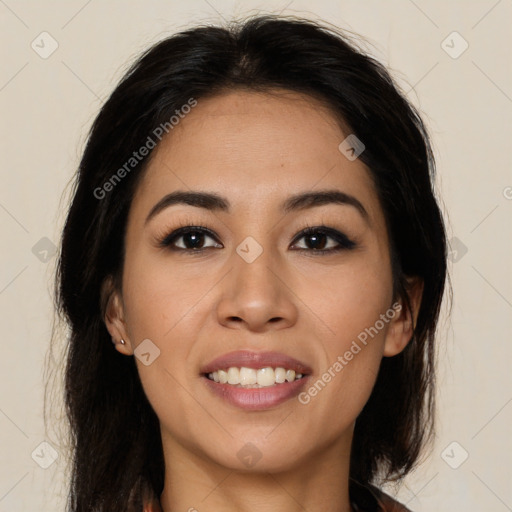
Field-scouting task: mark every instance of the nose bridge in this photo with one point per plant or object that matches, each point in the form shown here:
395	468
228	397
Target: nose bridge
255	270
255	257
254	291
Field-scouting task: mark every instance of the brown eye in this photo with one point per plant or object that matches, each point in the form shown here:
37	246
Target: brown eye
322	239
193	239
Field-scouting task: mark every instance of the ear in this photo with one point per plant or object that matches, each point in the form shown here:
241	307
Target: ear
113	316
401	327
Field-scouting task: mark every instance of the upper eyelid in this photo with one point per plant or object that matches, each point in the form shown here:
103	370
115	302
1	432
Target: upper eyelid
178	232
183	230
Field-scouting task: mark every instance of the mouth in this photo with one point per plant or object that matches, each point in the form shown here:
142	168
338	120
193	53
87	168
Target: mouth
255	380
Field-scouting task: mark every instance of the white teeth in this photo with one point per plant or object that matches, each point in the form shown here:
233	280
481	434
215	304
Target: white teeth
266	377
251	378
280	374
233	376
290	375
248	376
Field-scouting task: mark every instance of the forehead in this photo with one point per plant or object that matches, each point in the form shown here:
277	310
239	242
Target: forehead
255	148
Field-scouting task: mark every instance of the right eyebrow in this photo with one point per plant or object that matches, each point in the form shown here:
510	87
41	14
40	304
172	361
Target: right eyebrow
207	200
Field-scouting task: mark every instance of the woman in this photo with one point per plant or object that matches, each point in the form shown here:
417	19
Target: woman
254	228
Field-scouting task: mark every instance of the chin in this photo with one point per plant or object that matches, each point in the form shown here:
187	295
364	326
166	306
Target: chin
256	455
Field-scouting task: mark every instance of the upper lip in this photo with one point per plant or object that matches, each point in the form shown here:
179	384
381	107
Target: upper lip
256	360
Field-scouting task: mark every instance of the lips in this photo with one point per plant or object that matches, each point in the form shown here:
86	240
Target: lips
256	360
256	399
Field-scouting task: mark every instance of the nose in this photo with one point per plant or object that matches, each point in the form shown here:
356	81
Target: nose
255	296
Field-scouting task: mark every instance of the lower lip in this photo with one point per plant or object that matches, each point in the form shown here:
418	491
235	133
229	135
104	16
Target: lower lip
257	399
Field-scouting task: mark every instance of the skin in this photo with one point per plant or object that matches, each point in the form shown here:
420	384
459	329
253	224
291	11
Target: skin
255	150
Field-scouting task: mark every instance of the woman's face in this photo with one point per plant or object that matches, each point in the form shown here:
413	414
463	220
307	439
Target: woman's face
254	283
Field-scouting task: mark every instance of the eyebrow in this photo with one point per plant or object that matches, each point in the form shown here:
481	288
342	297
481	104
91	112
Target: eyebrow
214	202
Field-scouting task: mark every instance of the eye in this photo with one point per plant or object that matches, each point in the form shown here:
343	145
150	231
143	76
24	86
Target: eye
193	239
318	240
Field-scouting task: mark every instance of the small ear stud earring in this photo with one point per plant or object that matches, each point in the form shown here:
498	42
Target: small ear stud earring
122	342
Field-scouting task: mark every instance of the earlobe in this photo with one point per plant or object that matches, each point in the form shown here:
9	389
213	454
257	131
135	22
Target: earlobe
113	316
402	325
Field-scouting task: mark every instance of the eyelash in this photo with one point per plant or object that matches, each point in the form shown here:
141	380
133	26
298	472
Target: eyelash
344	243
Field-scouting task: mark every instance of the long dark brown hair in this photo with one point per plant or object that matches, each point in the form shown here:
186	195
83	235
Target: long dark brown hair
115	434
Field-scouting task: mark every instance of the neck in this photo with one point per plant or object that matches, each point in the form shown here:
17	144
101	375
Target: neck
317	482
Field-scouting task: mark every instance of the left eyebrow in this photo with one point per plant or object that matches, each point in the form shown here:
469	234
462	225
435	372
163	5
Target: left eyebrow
321	197
302	201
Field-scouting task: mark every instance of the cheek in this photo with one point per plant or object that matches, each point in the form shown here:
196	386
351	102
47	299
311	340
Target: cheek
168	311
350	299
351	307
157	297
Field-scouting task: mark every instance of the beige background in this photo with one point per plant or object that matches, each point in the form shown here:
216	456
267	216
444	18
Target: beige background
47	106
